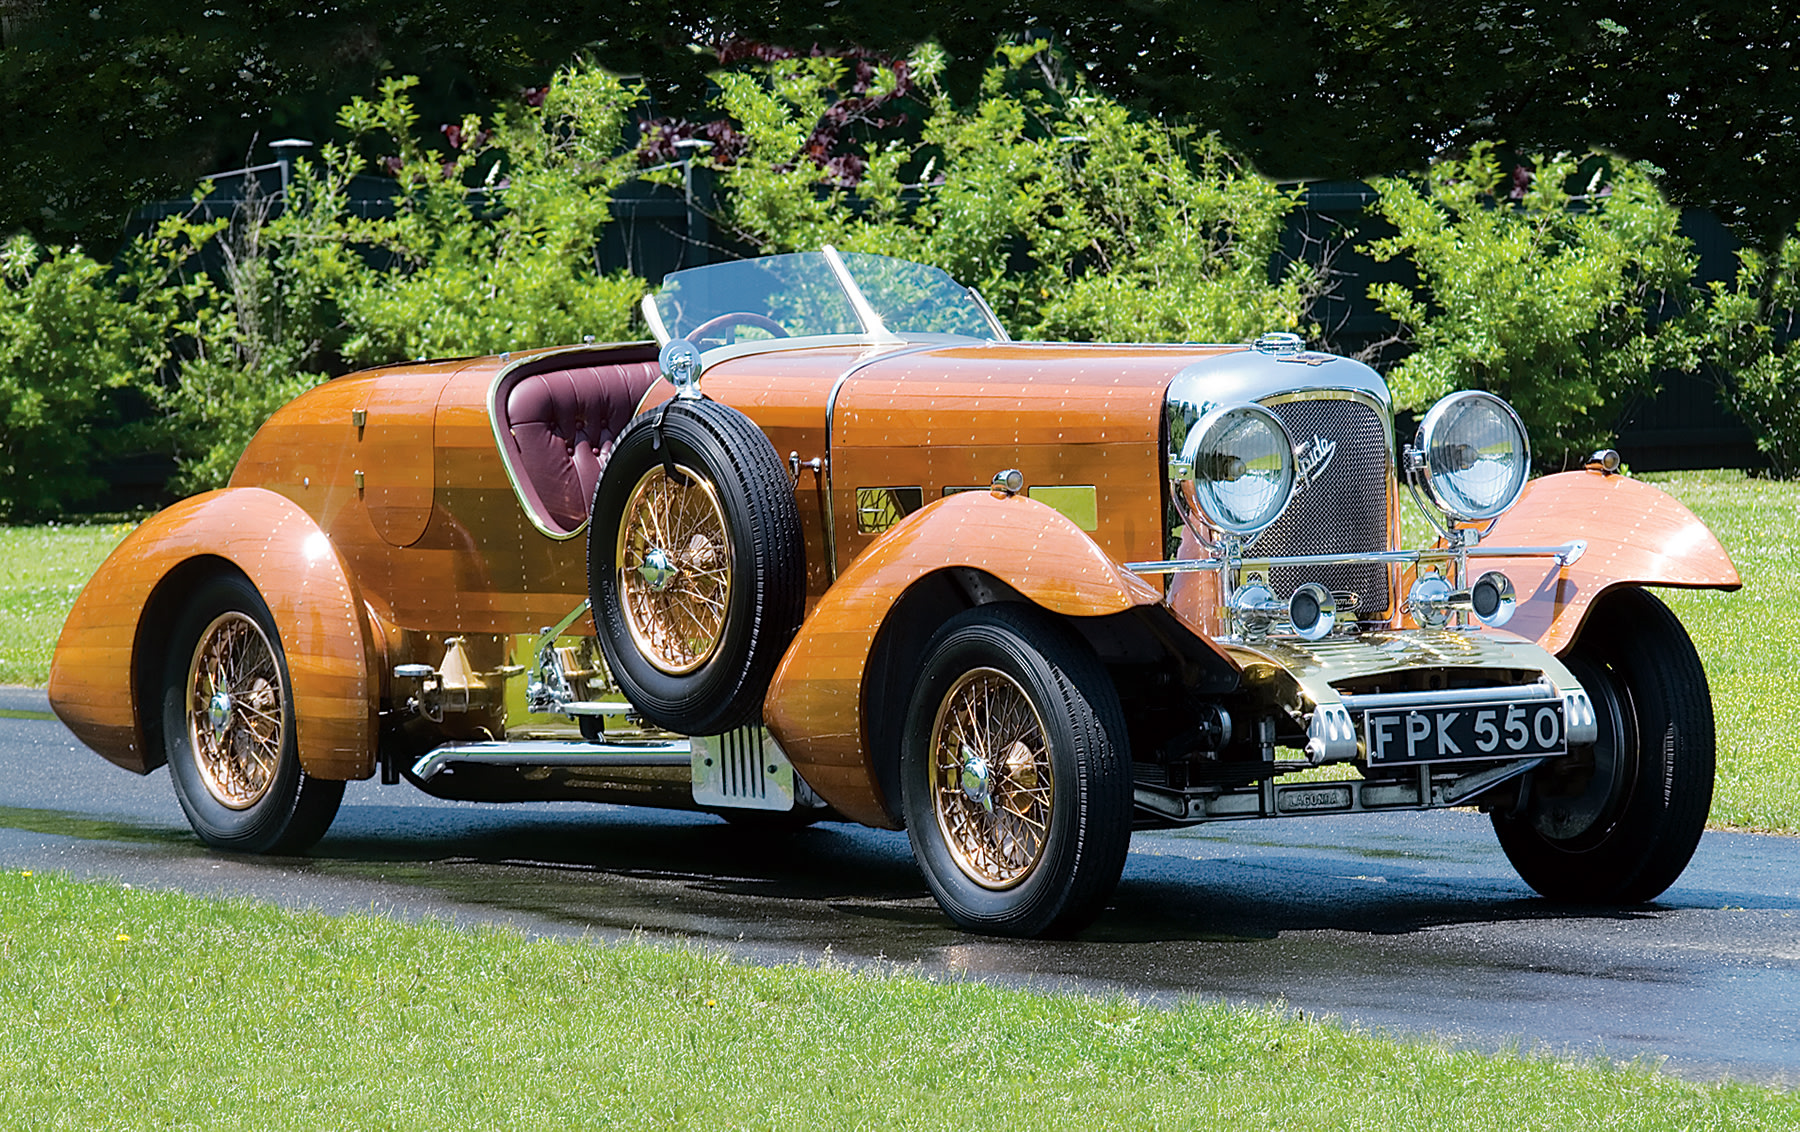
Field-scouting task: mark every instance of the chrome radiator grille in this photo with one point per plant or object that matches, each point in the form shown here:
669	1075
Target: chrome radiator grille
1345	509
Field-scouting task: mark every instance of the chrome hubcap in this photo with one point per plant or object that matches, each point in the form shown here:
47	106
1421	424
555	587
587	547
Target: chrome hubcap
218	712
991	781
657	571
674	563
235	713
975	783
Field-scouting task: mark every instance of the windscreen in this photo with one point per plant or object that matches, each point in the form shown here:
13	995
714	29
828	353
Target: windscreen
780	296
911	298
800	295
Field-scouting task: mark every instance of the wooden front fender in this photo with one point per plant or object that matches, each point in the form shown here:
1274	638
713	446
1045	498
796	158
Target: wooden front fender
103	680
1636	535
816	706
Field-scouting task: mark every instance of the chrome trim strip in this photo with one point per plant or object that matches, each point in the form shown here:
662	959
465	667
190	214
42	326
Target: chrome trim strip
994	319
653	317
831	401
558	753
493	412
1452	697
1566	554
595	707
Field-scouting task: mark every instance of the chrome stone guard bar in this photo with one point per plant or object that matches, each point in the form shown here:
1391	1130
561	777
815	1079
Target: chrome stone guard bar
1250	609
1567	554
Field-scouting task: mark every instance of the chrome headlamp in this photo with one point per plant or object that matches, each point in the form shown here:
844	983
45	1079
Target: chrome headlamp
1473	454
1236	469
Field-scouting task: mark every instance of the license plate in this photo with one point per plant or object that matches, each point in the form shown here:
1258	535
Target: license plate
1468	731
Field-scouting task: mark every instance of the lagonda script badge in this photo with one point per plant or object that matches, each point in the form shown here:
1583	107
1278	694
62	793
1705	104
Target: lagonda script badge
1310	459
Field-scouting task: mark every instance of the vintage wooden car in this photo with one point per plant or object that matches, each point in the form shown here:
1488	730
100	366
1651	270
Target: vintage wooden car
894	568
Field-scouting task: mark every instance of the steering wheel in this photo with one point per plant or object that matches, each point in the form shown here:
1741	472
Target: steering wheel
735	319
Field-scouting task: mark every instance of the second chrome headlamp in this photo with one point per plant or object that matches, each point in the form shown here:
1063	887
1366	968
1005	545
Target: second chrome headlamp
1473	454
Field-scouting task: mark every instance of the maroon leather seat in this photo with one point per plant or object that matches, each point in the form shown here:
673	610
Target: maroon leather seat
561	424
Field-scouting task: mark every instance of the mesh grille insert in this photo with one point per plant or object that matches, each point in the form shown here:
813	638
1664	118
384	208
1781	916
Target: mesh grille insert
1346	510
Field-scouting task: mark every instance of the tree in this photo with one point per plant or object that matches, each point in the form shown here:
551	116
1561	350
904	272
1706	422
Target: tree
1566	295
106	105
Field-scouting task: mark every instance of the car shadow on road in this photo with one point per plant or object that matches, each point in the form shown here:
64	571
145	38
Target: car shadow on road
694	873
619	870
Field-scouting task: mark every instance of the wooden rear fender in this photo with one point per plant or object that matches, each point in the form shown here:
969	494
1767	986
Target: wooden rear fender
1635	534
847	675
114	637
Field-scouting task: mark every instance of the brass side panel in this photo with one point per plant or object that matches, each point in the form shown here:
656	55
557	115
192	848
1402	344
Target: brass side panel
1078	504
815	703
1636	534
318	611
878	508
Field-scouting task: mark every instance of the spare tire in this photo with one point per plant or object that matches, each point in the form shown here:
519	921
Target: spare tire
696	566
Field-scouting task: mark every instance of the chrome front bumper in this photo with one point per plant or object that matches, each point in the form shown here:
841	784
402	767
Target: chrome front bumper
1334	720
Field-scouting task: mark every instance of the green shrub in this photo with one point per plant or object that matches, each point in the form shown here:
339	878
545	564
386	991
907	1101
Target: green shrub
73	343
313	288
1752	348
1075	218
253	334
509	265
1555	301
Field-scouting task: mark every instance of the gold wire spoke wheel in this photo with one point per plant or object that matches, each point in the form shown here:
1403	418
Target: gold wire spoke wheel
235	711
675	566
991	781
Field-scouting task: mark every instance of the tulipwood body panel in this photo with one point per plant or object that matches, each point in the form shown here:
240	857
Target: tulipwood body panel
815	705
1636	534
107	641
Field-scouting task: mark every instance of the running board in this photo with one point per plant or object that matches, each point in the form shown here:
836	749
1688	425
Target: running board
556	753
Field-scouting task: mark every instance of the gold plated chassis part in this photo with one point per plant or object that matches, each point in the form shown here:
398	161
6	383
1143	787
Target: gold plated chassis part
675	566
235	704
991	781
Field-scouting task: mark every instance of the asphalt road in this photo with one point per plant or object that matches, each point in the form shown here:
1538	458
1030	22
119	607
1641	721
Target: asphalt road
1414	924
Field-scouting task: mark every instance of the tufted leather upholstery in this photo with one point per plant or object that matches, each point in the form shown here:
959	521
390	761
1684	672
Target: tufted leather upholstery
562	424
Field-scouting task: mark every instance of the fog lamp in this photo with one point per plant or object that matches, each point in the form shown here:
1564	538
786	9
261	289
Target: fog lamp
1429	601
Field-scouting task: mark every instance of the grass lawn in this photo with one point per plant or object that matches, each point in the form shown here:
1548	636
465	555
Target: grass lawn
1747	642
41	571
134	1009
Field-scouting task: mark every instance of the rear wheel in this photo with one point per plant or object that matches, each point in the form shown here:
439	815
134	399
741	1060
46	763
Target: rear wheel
1618	822
228	727
1015	774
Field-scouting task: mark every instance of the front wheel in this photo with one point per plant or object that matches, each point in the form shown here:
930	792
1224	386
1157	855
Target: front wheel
1618	822
228	727
1016	774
